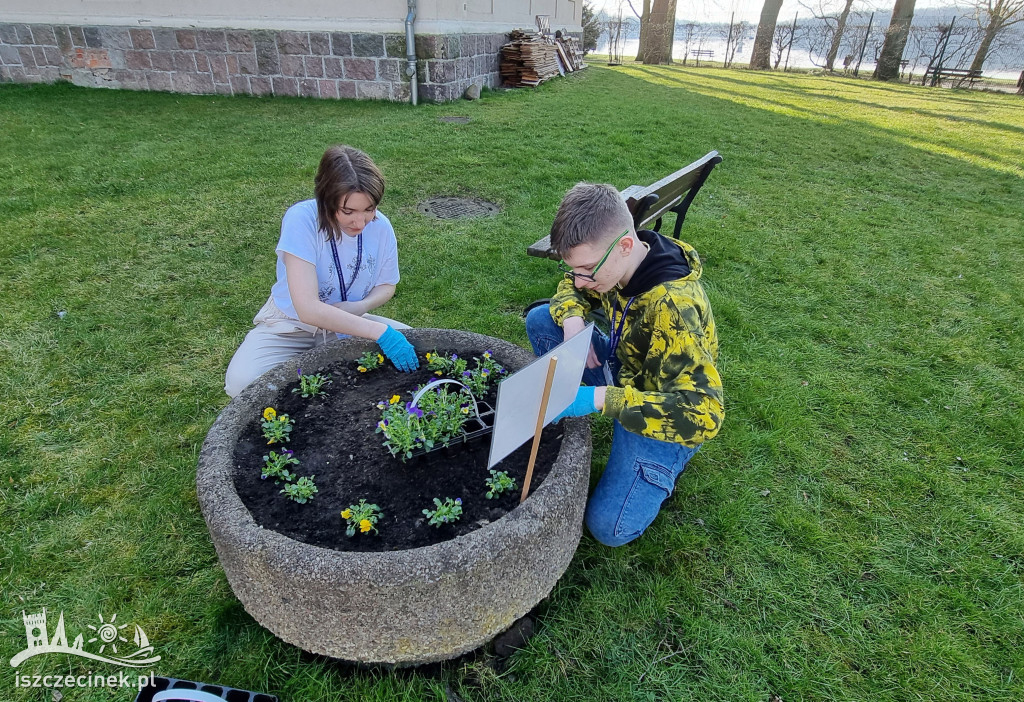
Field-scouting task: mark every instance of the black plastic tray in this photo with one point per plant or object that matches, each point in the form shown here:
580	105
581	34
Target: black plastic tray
230	694
484	426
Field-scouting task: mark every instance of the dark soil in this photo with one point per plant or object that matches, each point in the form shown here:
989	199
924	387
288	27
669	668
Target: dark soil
334	437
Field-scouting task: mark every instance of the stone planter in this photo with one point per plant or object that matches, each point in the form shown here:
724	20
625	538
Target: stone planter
398	607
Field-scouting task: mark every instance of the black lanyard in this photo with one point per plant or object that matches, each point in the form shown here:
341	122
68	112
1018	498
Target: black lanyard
616	333
359	263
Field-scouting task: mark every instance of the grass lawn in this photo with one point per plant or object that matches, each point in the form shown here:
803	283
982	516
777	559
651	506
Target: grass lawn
856	532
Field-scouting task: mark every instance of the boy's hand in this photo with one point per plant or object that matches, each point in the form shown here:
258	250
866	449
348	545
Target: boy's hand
588	400
571	326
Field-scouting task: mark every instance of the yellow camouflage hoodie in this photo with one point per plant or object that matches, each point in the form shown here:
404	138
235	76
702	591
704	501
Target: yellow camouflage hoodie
668	386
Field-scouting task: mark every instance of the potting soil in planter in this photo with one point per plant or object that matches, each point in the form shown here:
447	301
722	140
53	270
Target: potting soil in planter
335	440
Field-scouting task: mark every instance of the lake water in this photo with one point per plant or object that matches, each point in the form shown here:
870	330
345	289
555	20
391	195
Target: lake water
798	57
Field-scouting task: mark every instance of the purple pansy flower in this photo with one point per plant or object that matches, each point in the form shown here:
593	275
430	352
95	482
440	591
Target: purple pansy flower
413	409
458	500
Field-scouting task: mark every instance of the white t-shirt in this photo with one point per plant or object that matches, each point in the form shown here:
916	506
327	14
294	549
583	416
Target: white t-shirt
301	236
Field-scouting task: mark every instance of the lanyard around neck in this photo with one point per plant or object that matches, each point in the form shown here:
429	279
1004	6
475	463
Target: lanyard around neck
337	266
616	332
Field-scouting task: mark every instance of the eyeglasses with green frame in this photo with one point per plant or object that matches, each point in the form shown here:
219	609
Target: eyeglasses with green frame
591	277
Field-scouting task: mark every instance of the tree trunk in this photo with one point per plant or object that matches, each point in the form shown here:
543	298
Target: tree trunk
888	67
670	27
986	44
760	59
833	50
656	40
645	20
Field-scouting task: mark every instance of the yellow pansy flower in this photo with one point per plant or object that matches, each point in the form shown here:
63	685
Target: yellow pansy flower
380	359
394	399
361	369
270	414
346	514
365	526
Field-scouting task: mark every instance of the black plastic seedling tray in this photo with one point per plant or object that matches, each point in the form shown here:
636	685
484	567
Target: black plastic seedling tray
229	694
482	425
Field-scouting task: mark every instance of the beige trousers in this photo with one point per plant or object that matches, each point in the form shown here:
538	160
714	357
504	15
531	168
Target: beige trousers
275	339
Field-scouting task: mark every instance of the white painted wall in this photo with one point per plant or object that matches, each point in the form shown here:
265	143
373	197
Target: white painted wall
433	16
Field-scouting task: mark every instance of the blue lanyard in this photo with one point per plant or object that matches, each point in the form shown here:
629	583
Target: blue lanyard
616	332
359	263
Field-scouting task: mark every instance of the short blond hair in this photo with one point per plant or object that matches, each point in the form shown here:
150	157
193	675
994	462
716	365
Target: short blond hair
589	213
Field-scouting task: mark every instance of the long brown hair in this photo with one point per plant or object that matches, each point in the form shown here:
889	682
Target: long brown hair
344	170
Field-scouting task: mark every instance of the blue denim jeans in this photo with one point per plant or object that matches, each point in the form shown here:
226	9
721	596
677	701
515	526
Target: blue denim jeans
641	472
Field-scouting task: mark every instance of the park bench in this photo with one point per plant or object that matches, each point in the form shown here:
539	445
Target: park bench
938	73
650	203
702	54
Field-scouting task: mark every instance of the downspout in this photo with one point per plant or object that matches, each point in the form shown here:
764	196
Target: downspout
410	51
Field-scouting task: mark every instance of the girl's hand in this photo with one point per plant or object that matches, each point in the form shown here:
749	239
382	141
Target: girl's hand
398	350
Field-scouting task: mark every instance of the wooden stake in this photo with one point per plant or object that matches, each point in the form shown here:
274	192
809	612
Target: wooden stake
540	426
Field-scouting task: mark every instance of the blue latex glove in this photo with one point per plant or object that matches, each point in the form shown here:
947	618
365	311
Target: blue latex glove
582	405
398	350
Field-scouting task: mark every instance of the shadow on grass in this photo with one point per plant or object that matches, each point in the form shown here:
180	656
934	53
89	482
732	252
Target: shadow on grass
1000	161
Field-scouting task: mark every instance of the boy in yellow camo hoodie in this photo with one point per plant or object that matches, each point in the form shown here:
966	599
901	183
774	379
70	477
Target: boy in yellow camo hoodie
654	372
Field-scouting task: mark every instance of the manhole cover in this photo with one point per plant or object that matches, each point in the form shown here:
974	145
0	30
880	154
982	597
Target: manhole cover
454	120
457	208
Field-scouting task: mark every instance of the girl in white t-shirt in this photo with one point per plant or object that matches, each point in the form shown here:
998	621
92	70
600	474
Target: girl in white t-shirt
337	259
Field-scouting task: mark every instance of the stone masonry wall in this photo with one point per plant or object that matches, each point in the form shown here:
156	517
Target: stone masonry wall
251	62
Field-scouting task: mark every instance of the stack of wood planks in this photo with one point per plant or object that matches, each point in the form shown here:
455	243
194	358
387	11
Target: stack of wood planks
531	58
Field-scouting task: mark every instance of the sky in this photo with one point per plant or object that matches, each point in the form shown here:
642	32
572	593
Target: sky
749	10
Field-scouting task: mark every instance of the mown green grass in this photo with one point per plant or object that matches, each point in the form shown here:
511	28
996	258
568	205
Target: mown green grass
854	533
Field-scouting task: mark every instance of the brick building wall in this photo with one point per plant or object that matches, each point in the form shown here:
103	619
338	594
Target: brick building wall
250	62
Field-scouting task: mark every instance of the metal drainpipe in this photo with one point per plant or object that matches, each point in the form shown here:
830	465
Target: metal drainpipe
410	51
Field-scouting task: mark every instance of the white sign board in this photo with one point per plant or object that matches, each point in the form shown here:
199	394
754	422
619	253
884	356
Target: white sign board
519	395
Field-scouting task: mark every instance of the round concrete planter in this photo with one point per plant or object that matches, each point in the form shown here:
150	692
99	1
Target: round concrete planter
398	607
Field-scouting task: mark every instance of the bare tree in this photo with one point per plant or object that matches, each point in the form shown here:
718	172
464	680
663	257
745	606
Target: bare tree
888	65
828	31
816	37
783	40
761	57
657	31
865	37
993	17
689	33
645	19
922	45
740	30
702	34
837	38
615	38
